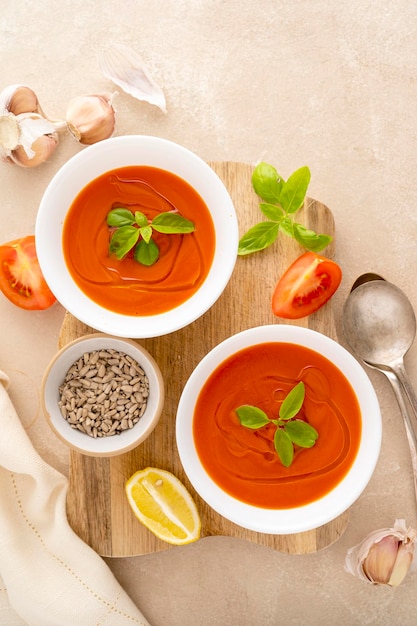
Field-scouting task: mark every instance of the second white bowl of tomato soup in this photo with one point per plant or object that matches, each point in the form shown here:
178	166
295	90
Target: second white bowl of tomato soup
279	429
136	236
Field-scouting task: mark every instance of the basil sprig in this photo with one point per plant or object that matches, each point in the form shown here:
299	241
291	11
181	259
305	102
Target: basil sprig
134	230
280	202
289	431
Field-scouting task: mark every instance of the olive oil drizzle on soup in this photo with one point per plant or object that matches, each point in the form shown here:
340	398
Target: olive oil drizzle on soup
125	286
243	461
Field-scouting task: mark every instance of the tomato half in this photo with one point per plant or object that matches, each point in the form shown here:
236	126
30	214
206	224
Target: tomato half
21	279
305	286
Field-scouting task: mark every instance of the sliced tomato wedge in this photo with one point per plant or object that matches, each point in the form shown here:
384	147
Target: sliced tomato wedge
21	279
305	286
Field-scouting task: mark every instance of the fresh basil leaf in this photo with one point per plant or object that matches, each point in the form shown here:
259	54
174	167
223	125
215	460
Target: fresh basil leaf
258	237
286	226
284	447
171	223
280	199
301	433
120	217
123	240
272	211
146	253
266	182
294	191
310	239
146	232
251	416
292	402
141	219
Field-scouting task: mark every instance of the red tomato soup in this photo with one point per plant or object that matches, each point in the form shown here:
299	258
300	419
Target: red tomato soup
242	461
126	286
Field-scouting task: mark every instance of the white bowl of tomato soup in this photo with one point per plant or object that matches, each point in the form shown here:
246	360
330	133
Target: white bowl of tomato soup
251	469
136	236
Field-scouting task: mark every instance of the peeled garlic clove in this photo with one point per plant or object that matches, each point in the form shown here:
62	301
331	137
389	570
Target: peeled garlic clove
19	99
380	562
385	556
402	564
127	70
91	118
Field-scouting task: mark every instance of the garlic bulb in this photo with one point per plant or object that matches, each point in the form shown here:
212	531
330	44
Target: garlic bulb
126	69
91	118
385	556
27	138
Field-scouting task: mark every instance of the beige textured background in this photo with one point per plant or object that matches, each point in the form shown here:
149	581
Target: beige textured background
330	84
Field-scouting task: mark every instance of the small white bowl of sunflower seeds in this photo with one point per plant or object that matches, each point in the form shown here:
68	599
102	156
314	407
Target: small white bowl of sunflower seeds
102	395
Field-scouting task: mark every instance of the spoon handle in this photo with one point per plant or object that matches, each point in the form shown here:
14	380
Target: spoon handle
408	422
402	375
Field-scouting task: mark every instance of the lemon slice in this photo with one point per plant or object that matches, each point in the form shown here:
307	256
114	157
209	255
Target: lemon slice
162	503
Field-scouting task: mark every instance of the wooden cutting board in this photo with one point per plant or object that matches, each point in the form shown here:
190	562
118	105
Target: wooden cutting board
97	508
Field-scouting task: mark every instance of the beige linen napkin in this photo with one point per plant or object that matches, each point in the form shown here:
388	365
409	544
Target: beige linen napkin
52	577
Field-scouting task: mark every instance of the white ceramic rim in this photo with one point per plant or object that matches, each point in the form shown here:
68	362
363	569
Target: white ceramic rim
119	152
103	446
330	506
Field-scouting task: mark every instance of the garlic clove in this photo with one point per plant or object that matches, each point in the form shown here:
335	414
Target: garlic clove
125	68
23	100
26	139
42	148
379	564
385	556
32	126
402	564
18	99
91	118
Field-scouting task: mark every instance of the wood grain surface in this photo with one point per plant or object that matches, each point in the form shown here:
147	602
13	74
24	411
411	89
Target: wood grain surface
97	507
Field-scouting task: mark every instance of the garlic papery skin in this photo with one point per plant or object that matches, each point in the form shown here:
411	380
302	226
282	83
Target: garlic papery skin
18	99
91	118
385	556
9	134
124	67
27	139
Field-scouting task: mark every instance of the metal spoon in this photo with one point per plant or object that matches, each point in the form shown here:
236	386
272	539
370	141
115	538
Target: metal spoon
380	326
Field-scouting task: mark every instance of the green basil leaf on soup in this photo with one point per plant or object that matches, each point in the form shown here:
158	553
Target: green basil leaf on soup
301	433
172	223
146	253
146	232
284	447
123	240
292	402
120	217
141	219
252	416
